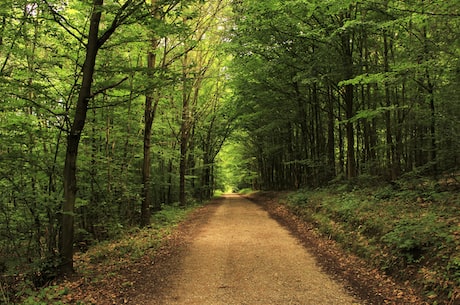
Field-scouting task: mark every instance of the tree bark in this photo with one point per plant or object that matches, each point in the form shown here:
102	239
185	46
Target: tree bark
73	140
349	112
389	134
147	193
151	104
330	136
184	131
347	59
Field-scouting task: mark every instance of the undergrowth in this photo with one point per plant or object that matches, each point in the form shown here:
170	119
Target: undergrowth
245	191
104	259
409	230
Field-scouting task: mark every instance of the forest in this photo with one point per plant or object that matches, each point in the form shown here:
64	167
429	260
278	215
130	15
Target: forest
348	88
113	110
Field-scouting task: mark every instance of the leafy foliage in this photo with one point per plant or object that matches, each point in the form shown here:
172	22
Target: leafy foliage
340	89
42	51
414	237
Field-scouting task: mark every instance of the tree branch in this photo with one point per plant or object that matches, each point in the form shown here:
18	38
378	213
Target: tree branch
62	21
125	11
36	104
108	87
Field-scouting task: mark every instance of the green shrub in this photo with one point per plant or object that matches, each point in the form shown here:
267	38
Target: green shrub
46	296
298	198
453	268
245	191
412	237
169	215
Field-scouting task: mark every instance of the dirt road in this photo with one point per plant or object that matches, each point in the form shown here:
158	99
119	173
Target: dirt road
242	256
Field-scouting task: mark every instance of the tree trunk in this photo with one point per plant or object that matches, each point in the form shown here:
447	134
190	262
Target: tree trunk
149	115
434	147
351	160
341	146
184	131
330	136
2	29
151	105
147	190
347	58
73	140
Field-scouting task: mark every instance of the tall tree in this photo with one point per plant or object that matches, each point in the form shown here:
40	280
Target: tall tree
93	45
151	104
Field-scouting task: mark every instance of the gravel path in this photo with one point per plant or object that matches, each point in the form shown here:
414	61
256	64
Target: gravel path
242	256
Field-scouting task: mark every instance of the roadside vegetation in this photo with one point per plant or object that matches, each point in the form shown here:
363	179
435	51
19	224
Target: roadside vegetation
410	228
101	264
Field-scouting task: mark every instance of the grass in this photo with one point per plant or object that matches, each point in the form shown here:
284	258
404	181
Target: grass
136	242
410	231
245	191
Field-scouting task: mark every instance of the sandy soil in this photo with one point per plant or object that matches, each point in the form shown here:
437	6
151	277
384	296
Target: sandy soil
242	256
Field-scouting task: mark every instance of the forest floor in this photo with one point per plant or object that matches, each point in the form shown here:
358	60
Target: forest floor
232	252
